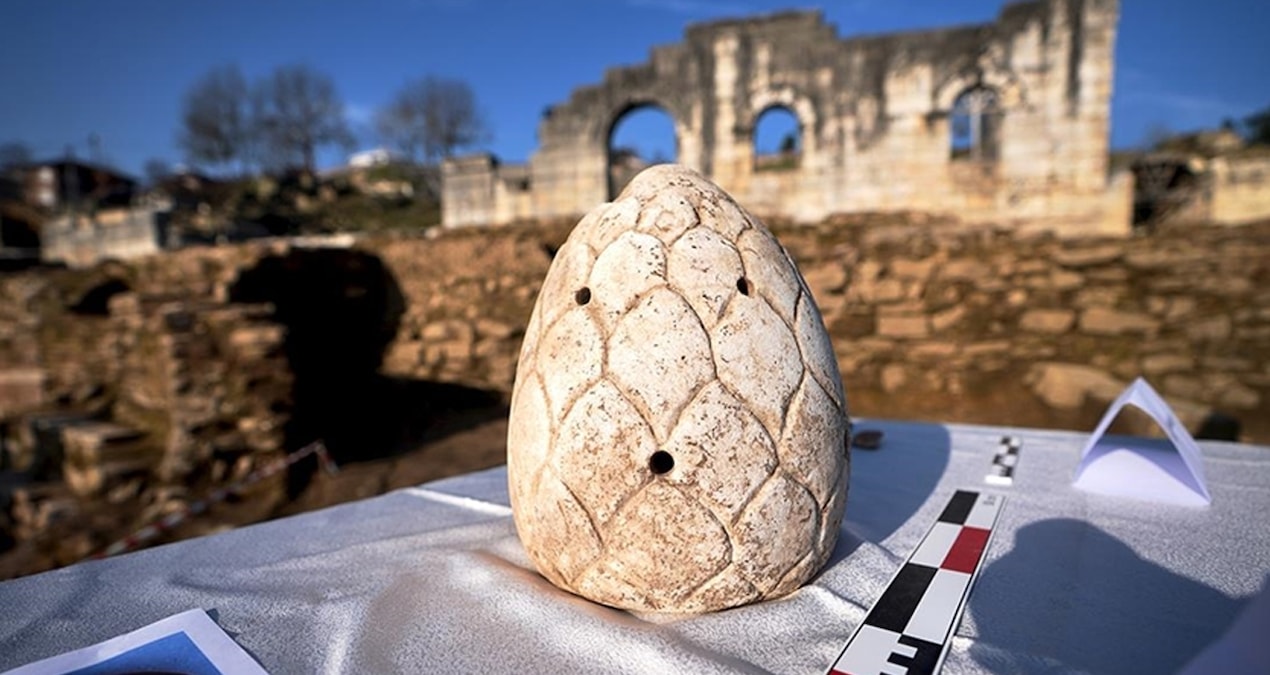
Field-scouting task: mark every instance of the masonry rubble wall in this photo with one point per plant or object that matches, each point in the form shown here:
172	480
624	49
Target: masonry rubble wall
1240	188
152	390
930	321
917	307
117	234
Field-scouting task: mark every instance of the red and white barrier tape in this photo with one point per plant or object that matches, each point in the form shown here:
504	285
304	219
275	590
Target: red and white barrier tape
175	518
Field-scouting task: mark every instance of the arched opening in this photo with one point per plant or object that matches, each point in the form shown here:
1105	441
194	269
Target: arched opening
342	309
976	124
778	140
1163	186
96	301
641	136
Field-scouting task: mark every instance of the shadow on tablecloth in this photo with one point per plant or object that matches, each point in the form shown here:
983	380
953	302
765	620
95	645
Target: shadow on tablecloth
890	484
1071	597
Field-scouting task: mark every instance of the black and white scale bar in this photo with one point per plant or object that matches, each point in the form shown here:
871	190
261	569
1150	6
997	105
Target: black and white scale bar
908	629
1004	462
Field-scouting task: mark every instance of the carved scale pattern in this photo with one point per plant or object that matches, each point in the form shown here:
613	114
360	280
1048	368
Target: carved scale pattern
677	438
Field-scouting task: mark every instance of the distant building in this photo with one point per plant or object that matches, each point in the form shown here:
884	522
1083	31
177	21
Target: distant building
84	239
368	158
1206	176
19	226
68	182
1004	123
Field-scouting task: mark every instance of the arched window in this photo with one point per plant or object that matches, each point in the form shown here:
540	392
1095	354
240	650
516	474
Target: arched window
976	122
778	142
641	136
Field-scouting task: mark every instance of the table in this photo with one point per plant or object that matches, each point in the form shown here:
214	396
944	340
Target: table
433	578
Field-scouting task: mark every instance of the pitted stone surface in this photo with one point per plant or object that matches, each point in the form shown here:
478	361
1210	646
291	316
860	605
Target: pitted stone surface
678	427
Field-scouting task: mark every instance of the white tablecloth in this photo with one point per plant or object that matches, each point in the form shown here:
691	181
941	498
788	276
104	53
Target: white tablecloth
433	578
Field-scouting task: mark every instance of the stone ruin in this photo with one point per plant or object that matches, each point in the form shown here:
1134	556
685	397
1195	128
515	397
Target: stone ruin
1005	123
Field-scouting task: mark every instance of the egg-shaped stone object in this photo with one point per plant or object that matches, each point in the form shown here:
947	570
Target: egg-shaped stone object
678	431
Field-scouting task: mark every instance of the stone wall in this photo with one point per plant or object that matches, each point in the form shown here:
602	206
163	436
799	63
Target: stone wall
994	328
152	389
115	234
1240	186
876	119
463	321
929	320
162	377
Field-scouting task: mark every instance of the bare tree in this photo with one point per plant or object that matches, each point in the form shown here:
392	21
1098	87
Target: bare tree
14	153
218	127
156	171
1257	127
299	111
432	117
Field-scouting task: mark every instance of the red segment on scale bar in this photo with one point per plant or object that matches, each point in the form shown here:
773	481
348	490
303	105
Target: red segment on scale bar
965	552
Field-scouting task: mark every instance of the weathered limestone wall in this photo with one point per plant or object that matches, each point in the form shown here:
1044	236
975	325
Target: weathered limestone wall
1240	188
875	115
992	328
154	347
930	321
468	295
118	234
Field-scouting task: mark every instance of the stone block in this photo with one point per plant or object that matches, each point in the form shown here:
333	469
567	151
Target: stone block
825	278
1067	385
1048	321
902	308
1225	285
965	270
257	340
1107	321
910	326
919	270
1097	296
21	390
1030	267
1211	329
986	348
1159	364
436	331
402	357
1230	364
1160	258
948	318
893	377
1106	274
889	290
1185	386
495	330
1237	395
939	351
1062	280
1088	256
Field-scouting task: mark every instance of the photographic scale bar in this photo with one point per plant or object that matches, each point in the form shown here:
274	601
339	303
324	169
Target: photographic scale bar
1004	462
908	629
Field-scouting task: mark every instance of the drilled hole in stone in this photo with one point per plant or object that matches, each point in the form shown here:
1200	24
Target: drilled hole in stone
661	462
743	285
583	296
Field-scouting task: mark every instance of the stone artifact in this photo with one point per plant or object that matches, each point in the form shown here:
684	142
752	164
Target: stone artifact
678	428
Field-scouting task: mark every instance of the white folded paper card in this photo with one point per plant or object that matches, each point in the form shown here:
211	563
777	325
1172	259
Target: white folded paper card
1171	472
189	642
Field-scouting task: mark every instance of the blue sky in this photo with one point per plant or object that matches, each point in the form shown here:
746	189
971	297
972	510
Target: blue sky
119	68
